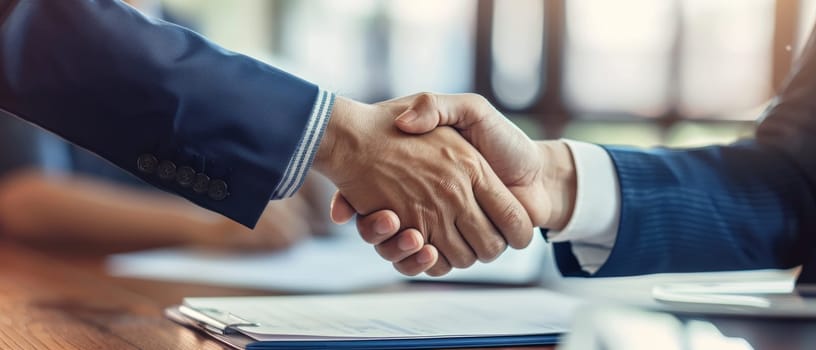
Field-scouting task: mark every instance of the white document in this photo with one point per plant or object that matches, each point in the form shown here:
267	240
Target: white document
396	315
319	265
757	293
771	298
528	266
337	264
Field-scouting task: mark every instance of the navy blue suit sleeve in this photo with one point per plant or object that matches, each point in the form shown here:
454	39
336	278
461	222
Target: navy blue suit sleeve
105	77
716	208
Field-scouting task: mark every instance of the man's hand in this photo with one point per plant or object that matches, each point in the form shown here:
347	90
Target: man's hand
540	174
440	187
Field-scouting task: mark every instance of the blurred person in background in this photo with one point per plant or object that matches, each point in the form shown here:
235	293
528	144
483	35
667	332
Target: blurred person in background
69	207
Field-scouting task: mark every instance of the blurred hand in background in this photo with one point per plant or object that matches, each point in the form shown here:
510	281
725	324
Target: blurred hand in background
83	213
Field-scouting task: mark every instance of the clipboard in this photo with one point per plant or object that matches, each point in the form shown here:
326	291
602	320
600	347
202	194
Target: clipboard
227	323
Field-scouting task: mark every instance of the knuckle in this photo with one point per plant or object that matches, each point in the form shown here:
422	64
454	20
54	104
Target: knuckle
438	271
476	98
493	249
426	98
448	187
513	220
405	269
423	219
462	261
488	242
441	239
480	105
474	165
366	231
386	253
470	163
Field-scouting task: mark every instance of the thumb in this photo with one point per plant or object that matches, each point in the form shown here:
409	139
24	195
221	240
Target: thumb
414	122
429	111
341	211
423	115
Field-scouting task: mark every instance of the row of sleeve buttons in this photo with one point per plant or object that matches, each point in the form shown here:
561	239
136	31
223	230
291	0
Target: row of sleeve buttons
184	176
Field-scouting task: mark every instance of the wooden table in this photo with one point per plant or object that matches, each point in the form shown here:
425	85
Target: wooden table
53	300
50	299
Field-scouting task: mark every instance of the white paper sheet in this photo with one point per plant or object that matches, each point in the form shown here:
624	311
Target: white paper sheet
324	265
399	315
339	264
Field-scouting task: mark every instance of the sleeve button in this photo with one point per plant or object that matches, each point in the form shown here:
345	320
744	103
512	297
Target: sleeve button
201	183
167	170
217	190
147	163
185	176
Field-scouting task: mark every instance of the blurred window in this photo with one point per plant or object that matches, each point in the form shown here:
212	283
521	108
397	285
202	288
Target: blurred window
376	49
705	58
431	45
332	42
517	52
699	59
618	55
725	56
365	49
807	16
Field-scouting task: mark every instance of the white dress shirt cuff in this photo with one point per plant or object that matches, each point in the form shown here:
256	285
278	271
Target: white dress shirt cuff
302	159
593	227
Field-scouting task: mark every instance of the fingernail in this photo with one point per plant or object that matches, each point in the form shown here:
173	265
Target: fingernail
406	243
407	116
424	257
382	226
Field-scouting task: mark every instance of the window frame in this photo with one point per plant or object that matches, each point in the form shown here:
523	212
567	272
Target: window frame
550	110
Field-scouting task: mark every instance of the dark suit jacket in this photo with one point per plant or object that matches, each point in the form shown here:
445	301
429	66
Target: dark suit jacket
748	205
104	77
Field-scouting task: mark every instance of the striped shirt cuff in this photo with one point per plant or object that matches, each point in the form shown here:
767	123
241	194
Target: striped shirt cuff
306	149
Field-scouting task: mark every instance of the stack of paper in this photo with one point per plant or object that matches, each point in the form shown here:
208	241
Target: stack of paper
387	321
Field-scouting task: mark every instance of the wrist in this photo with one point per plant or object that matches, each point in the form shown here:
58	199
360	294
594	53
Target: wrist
324	159
340	141
559	182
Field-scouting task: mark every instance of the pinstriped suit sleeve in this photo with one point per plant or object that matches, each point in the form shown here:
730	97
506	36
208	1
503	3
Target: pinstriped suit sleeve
734	207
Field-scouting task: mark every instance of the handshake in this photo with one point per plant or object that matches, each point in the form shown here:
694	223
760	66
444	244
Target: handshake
440	181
